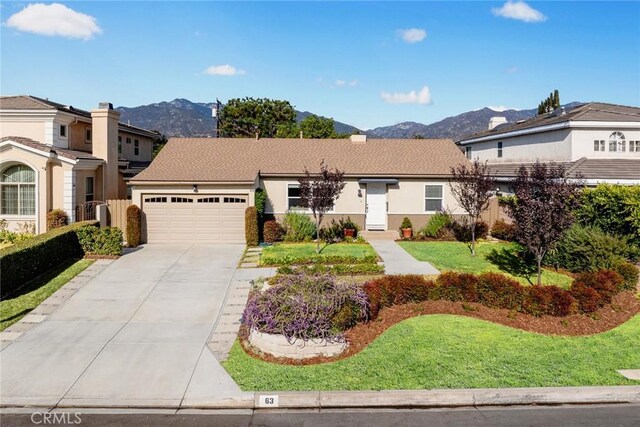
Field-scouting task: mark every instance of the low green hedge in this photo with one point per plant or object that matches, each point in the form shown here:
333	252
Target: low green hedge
23	261
316	259
100	241
337	269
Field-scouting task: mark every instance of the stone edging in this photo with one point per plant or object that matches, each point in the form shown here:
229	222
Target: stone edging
278	346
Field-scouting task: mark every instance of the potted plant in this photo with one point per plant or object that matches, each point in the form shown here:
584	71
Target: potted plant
349	228
406	228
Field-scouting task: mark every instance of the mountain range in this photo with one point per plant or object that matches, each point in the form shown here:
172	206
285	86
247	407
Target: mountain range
182	117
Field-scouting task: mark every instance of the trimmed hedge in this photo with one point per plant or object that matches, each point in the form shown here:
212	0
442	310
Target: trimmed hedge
251	233
270	260
589	292
338	269
272	231
26	260
503	230
100	241
134	225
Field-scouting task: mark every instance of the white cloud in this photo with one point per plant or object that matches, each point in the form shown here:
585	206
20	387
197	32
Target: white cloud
54	20
512	70
412	35
520	11
223	70
353	82
340	82
413	97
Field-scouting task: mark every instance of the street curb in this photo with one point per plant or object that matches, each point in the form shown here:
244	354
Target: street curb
380	399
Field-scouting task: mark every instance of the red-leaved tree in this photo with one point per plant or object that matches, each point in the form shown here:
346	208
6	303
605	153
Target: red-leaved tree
318	192
472	186
545	201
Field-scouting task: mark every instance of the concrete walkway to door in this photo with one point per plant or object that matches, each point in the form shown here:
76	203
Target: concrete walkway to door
134	335
397	260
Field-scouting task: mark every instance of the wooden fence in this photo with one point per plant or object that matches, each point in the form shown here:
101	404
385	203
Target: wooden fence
117	213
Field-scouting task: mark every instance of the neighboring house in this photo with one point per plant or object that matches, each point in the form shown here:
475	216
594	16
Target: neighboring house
197	189
600	142
59	157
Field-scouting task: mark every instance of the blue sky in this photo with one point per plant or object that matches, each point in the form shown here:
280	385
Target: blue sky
353	61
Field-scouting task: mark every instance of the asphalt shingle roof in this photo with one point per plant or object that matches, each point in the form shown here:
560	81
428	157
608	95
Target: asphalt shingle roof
241	159
600	169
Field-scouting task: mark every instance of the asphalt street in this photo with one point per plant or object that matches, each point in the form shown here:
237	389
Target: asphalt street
567	416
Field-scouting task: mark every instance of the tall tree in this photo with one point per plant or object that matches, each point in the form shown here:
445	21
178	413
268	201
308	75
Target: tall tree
545	201
319	192
241	118
311	126
473	186
550	103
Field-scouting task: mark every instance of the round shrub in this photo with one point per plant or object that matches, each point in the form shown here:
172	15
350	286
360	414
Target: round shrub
298	227
437	225
606	282
134	226
306	307
499	291
630	274
503	230
462	230
457	286
588	299
548	300
57	218
272	231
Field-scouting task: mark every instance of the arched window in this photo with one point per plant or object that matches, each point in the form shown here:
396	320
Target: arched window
18	191
617	142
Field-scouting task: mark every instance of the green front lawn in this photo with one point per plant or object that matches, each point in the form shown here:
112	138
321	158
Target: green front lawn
446	351
35	292
284	253
457	257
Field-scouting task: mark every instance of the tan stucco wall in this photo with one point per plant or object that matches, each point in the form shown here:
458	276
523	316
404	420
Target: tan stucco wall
146	147
78	137
348	203
27	129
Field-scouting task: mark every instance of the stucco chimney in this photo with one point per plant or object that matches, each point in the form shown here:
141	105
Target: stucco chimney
104	125
358	139
495	121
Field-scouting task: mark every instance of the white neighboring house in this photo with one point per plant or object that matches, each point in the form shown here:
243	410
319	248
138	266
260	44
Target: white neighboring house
600	142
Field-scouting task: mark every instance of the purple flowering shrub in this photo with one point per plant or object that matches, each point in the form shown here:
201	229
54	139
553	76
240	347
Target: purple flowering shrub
307	307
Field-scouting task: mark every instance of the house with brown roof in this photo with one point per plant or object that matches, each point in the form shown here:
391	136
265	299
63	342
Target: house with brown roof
598	141
55	156
197	189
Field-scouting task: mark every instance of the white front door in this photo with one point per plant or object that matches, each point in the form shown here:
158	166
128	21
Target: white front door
376	206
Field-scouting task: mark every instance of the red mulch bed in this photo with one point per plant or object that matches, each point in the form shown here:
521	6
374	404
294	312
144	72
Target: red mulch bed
624	306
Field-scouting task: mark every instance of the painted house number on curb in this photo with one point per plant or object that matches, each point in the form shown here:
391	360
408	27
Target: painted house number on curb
268	401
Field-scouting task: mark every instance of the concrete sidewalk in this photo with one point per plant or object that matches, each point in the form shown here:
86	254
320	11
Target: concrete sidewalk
134	335
398	261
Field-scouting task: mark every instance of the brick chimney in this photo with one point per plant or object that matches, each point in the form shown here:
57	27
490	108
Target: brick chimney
104	124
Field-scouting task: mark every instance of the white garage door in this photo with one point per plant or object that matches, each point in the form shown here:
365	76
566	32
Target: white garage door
175	218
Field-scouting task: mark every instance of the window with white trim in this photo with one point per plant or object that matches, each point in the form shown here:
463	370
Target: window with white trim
209	200
155	200
18	191
432	198
293	196
617	142
634	146
63	131
181	200
88	189
598	145
499	149
234	200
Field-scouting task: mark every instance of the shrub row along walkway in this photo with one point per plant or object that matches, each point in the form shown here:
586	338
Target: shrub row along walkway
398	261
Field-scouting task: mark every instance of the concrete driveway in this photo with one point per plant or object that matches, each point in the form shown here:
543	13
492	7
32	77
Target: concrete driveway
133	335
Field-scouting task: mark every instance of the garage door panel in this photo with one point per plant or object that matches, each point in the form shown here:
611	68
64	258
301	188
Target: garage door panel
207	219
